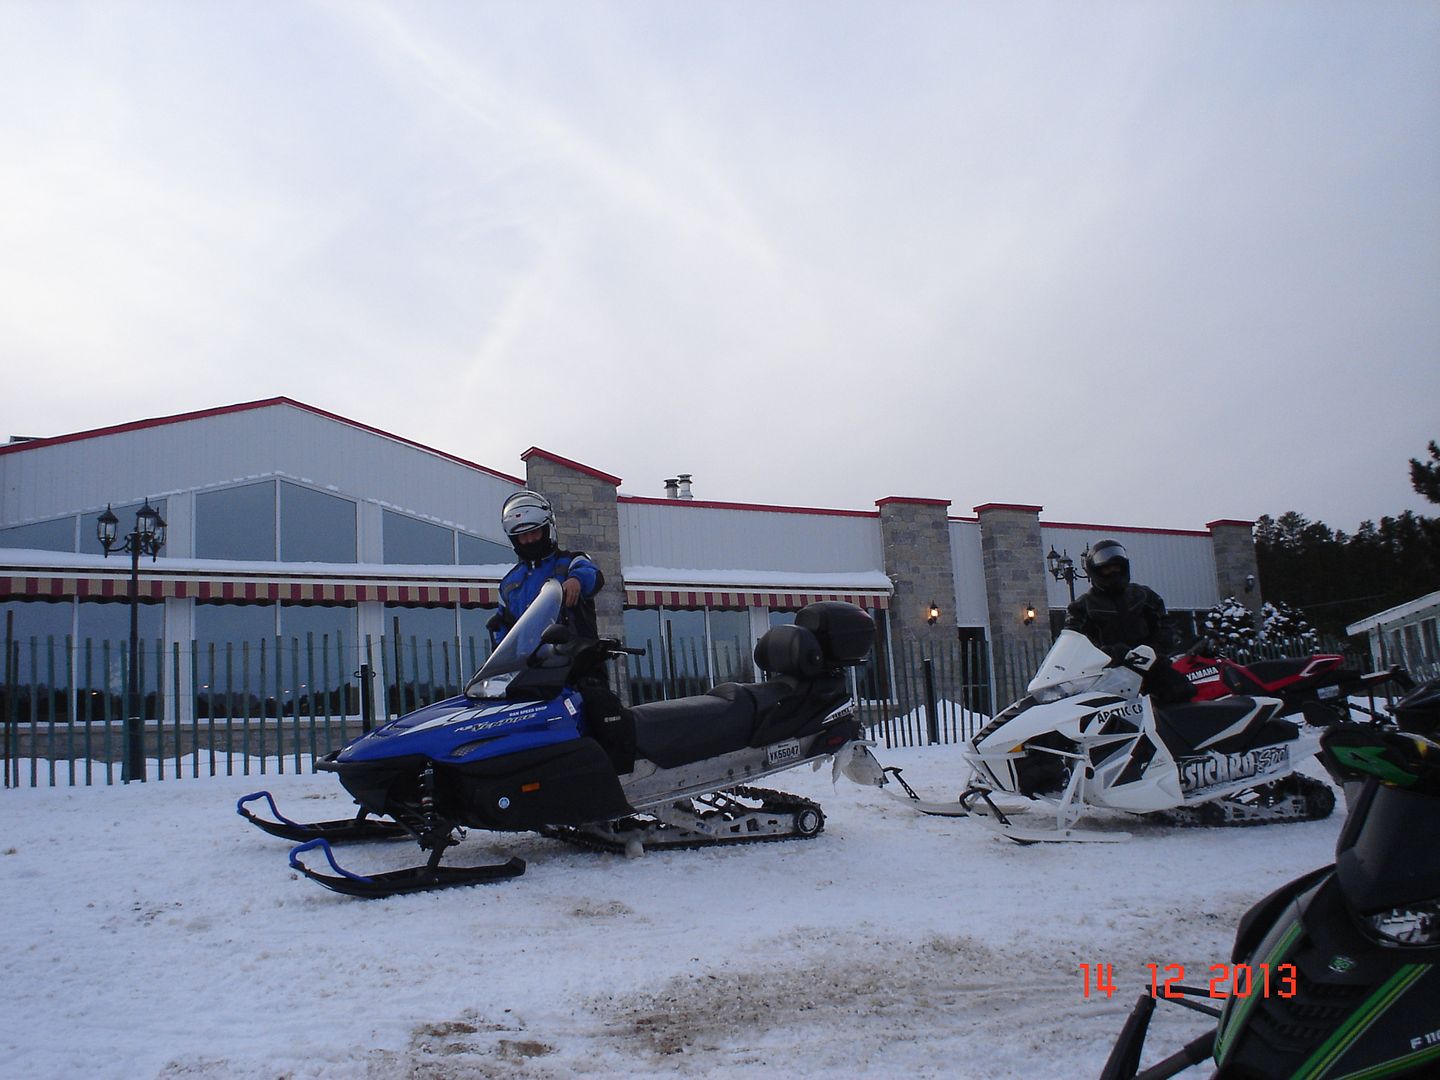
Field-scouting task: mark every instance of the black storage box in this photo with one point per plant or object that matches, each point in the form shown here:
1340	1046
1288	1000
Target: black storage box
845	632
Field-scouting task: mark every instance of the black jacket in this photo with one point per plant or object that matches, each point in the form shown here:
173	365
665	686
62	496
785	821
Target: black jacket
1133	616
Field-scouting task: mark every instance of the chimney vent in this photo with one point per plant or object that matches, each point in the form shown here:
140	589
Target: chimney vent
672	489
684	482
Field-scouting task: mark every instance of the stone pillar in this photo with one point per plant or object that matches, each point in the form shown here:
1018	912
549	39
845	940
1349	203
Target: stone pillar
1014	560
915	535
1234	545
587	517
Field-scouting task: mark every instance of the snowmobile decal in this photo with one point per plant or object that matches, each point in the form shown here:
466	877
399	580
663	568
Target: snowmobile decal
1196	773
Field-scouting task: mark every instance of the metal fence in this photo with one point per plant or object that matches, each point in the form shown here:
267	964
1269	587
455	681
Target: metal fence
277	705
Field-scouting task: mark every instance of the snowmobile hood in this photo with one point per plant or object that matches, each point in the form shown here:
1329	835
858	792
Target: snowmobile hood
447	727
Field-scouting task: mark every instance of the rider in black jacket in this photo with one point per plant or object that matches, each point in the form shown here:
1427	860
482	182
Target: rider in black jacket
1118	615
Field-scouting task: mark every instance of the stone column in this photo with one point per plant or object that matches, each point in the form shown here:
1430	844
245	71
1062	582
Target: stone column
915	535
1014	560
587	517
1234	545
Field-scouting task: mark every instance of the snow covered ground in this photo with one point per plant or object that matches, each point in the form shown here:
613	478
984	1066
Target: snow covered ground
149	932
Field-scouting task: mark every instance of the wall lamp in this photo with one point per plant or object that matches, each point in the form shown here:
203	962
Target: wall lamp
933	616
1029	614
1249	582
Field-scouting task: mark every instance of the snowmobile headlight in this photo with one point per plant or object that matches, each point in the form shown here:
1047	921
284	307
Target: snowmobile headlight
1414	924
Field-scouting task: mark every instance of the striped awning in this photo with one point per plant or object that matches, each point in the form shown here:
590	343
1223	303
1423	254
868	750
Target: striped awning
785	600
246	590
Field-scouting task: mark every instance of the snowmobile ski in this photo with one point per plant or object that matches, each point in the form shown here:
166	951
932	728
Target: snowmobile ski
427	878
958	808
360	827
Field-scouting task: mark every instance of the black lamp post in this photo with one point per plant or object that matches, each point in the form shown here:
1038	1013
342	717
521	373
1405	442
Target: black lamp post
147	538
1062	568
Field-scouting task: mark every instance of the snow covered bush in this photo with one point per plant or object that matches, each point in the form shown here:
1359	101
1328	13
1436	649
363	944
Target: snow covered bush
1284	628
1232	625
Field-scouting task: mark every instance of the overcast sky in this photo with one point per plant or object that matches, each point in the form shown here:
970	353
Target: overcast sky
1140	263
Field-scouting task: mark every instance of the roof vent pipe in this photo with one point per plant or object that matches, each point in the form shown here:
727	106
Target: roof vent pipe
672	489
684	481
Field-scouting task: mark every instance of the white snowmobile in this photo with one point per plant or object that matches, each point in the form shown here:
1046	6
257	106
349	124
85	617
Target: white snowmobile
1086	736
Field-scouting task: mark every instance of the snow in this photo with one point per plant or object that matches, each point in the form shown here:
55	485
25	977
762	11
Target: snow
152	933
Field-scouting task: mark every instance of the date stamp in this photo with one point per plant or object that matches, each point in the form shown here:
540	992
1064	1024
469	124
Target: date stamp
1225	981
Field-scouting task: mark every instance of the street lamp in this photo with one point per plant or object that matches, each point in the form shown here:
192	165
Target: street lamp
147	538
1062	568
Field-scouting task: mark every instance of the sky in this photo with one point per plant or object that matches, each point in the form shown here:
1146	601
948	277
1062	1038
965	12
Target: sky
1138	263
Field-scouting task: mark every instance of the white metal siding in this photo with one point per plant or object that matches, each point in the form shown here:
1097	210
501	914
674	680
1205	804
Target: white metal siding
685	536
972	606
1181	568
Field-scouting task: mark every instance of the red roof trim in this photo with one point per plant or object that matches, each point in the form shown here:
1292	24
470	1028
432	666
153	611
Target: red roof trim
645	500
1229	521
536	451
247	406
1121	528
1008	506
919	502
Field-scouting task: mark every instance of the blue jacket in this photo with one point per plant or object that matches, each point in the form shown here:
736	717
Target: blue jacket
522	584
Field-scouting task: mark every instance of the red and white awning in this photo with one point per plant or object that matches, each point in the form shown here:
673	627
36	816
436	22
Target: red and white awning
246	590
785	600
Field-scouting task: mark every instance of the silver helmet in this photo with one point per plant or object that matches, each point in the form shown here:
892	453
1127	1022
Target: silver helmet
526	510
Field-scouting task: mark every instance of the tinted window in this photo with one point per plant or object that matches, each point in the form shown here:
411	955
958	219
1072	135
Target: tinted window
89	523
315	527
110	621
410	540
325	635
730	647
237	523
234	633
57	535
475	551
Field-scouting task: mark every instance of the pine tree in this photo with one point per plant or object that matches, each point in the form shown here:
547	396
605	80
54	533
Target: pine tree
1425	476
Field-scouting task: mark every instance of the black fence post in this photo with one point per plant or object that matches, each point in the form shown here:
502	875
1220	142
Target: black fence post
367	699
932	711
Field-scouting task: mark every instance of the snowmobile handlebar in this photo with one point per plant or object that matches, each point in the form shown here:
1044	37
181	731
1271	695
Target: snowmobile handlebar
616	647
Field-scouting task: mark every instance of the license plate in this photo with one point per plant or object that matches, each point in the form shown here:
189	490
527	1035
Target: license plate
782	752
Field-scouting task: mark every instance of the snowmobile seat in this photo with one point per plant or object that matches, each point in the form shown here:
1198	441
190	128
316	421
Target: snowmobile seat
1186	725
672	733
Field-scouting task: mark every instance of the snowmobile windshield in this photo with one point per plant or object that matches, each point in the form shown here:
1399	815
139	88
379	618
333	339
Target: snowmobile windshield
511	655
1072	665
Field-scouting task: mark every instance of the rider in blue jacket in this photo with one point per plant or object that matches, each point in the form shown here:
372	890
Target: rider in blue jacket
529	522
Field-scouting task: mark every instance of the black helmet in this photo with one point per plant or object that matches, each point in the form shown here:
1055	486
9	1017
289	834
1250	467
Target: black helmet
523	512
1108	565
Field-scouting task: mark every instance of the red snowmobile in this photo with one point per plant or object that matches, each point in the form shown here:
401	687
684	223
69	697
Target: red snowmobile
1316	686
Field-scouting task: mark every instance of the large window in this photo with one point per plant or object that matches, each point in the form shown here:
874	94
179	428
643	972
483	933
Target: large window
412	541
475	551
236	523
65	656
239	524
687	651
315	526
57	535
431	652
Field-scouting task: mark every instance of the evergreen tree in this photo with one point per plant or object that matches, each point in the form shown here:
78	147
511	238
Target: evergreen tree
1425	476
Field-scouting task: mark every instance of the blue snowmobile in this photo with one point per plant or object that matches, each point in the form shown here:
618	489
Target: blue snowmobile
518	751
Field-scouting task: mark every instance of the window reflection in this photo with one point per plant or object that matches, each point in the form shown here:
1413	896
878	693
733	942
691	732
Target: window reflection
475	551
315	526
236	523
412	541
57	535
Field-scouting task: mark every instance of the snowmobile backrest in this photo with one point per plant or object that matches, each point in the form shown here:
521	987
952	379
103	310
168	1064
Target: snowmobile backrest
790	650
845	632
